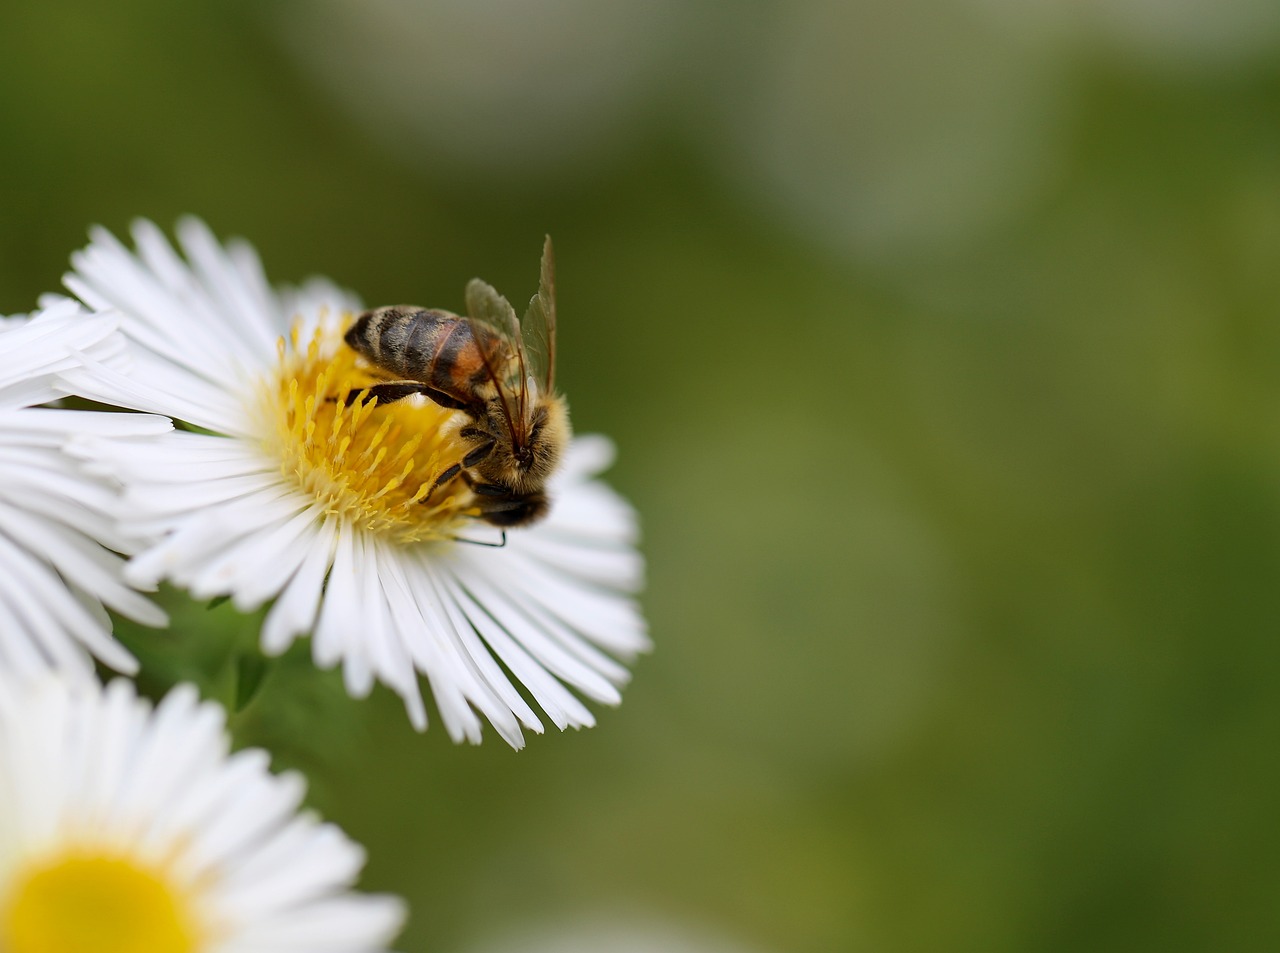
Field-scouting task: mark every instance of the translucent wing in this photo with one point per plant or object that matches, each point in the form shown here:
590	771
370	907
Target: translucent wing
539	325
493	314
485	305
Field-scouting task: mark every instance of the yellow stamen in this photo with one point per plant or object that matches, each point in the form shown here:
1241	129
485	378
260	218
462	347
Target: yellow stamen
95	903
370	464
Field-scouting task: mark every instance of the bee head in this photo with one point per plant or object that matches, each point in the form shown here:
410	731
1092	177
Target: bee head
524	461
515	511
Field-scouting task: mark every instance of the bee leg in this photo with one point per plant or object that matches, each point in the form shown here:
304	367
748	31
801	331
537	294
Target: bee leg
442	479
475	486
477	454
471	459
393	391
388	393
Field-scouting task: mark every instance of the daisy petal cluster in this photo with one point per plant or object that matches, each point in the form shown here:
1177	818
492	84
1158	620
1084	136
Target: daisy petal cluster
59	568
295	494
127	829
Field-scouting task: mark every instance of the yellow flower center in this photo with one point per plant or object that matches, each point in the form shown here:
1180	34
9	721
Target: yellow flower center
368	463
91	903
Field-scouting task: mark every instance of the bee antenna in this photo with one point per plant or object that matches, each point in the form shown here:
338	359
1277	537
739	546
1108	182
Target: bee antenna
480	542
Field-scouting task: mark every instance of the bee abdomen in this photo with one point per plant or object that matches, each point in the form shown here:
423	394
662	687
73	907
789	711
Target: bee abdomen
406	340
437	348
390	337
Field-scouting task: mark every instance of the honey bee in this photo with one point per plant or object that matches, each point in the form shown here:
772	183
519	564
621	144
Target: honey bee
498	371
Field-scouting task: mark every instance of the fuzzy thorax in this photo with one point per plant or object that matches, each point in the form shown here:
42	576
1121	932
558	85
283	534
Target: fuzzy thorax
369	465
526	468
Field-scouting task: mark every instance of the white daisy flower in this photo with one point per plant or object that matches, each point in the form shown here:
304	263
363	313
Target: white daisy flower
295	496
56	579
130	830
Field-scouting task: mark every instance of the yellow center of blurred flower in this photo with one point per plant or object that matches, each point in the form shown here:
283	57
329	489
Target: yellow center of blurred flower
370	464
89	903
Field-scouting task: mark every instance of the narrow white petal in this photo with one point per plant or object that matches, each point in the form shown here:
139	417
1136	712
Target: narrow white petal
295	610
562	651
40	598
337	610
95	570
390	657
451	683
209	409
607	619
555	699
336	925
475	653
506	710
240	308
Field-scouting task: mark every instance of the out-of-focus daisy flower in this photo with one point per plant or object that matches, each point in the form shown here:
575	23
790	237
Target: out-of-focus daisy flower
295	496
885	129
128	830
1171	37
556	88
56	577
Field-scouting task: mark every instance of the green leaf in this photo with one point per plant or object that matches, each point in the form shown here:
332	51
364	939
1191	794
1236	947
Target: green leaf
251	671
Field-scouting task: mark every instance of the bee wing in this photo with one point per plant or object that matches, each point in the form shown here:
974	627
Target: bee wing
494	314
538	329
489	308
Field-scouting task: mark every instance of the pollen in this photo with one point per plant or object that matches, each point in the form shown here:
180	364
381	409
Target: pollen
368	463
78	902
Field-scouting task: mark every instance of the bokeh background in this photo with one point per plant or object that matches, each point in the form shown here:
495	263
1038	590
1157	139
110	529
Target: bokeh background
940	341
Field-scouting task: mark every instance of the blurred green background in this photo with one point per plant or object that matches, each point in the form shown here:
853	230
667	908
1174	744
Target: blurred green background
940	342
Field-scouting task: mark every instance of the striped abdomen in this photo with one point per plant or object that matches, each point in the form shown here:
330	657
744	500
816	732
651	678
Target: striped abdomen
436	348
